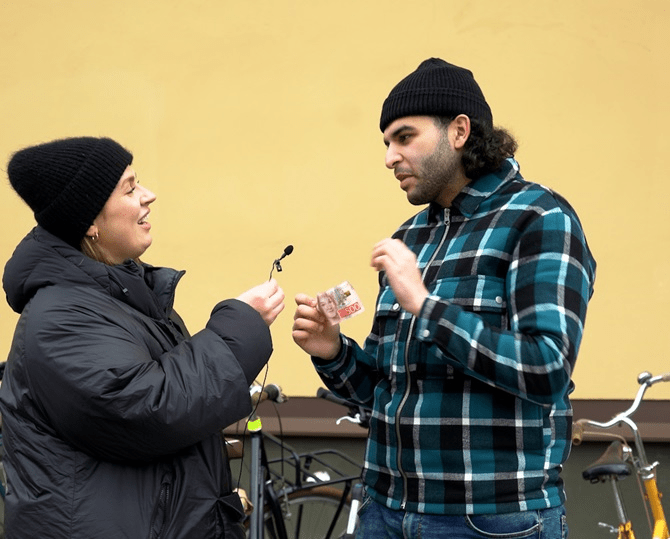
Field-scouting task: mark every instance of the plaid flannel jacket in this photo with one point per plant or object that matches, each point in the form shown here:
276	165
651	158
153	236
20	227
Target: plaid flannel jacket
470	399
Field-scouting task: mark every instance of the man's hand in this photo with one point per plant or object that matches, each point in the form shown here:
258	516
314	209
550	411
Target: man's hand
267	298
402	272
312	331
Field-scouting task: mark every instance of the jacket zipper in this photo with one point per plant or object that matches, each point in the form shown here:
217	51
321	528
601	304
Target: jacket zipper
161	517
403	503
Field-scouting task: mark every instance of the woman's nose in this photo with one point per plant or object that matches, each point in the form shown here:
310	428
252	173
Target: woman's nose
147	196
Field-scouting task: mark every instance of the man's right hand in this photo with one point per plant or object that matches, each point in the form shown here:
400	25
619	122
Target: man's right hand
312	331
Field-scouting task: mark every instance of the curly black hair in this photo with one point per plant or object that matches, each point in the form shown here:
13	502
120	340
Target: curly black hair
486	148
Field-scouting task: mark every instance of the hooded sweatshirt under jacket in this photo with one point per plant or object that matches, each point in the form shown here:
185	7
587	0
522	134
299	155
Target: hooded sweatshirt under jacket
111	412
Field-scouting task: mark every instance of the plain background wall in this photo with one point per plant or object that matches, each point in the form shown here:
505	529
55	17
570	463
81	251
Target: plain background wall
256	123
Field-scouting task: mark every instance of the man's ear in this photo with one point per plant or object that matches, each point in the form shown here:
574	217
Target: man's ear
459	131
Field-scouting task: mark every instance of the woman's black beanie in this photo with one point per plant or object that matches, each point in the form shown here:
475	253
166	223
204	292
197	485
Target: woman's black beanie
67	182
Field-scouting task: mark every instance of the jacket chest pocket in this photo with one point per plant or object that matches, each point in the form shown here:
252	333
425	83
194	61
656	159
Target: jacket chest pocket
484	295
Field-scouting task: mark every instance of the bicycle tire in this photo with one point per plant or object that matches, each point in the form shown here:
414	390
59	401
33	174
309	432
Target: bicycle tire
311	511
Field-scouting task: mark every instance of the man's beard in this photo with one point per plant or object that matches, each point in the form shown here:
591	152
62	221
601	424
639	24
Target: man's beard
435	173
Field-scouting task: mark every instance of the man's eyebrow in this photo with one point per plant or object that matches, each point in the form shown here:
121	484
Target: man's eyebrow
397	132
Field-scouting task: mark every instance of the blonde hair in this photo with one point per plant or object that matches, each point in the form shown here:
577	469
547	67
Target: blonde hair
90	248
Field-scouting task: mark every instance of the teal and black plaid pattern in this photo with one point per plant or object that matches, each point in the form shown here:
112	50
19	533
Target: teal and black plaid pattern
470	399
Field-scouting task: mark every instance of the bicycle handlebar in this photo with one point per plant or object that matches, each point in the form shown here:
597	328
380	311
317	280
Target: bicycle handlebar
269	392
357	413
577	432
646	380
323	393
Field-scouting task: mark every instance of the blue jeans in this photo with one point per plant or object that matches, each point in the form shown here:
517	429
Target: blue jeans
379	522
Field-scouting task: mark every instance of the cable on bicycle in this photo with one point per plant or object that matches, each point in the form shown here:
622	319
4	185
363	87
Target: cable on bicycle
253	413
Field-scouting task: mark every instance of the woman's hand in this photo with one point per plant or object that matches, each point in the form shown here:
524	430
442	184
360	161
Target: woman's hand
267	298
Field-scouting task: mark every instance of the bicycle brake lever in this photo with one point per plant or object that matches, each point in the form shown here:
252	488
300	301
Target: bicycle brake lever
608	527
356	419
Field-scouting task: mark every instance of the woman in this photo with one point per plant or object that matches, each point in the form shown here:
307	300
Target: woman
112	412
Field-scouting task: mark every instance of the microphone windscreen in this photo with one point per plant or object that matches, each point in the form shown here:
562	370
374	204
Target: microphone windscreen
288	250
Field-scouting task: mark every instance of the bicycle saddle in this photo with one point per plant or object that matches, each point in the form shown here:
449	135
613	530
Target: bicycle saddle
610	463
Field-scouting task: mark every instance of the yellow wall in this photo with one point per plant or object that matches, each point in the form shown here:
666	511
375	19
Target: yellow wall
256	124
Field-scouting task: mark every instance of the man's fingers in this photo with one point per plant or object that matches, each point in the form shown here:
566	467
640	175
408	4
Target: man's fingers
304	299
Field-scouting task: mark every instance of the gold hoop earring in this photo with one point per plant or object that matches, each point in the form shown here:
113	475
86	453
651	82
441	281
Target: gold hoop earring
94	237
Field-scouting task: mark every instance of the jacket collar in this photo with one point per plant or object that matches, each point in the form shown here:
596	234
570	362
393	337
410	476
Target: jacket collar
473	194
42	259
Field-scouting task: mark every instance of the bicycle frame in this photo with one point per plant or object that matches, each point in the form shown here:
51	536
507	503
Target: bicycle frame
645	471
257	481
263	492
259	487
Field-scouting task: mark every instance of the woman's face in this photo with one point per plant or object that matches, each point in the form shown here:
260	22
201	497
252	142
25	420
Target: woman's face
122	226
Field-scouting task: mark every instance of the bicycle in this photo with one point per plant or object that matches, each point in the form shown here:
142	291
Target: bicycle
289	498
618	459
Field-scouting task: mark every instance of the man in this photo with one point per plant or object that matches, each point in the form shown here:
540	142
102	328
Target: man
478	321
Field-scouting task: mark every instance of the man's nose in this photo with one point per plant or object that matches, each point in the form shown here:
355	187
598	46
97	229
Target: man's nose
392	157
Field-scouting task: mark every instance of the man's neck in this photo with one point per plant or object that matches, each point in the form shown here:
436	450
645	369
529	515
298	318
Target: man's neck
450	192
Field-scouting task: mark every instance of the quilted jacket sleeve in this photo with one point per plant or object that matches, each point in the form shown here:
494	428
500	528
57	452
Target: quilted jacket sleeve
121	387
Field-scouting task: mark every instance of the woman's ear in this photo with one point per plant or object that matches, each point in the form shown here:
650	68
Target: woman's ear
92	231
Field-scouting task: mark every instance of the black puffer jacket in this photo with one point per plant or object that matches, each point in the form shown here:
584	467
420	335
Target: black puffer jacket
111	412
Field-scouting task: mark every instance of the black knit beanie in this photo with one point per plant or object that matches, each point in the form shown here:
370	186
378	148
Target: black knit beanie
436	88
67	182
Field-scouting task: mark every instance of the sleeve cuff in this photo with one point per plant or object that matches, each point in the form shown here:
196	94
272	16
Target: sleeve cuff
324	364
426	322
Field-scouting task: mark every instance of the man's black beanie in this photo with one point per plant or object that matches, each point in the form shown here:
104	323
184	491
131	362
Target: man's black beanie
436	88
67	182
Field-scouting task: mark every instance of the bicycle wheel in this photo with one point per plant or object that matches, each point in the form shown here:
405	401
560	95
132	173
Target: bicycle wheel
310	512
